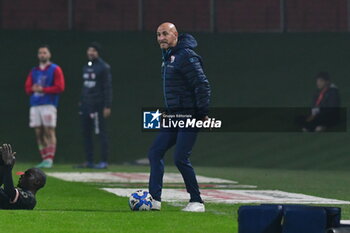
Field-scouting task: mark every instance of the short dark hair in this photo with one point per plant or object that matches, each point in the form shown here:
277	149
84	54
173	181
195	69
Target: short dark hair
97	46
323	75
44	46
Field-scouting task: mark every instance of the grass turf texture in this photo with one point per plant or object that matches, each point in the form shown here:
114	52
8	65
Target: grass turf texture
79	207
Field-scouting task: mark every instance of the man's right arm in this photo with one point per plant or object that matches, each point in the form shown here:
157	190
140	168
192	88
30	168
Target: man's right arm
29	84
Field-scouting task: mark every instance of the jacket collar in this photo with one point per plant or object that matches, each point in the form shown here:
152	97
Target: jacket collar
184	41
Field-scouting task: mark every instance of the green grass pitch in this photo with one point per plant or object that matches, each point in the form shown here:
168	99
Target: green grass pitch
78	207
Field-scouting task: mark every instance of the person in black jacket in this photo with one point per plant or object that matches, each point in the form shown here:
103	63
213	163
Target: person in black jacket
23	196
325	105
95	105
186	91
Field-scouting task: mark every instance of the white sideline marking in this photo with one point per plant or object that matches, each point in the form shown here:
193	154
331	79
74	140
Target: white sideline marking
344	221
126	177
236	196
179	185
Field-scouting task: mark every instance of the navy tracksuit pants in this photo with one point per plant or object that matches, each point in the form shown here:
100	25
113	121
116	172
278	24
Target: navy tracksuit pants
184	140
93	122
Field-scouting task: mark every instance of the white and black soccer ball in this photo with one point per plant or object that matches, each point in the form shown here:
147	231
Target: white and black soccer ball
140	200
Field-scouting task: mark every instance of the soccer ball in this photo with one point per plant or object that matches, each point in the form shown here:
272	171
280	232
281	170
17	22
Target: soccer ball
140	200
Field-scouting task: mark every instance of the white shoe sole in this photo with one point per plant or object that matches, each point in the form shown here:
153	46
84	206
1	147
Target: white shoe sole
194	207
156	207
195	211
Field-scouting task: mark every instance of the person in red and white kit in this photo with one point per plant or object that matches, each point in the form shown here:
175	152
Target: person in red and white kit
44	84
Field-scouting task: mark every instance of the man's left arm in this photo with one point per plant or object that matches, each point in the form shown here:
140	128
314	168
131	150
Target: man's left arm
193	71
331	105
107	91
333	99
58	84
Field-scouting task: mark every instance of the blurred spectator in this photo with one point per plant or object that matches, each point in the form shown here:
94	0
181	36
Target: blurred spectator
95	105
44	84
325	105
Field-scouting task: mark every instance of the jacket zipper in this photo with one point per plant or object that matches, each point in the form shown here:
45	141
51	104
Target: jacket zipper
164	92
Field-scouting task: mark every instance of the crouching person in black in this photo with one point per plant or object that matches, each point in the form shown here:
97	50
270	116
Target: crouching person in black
22	197
325	106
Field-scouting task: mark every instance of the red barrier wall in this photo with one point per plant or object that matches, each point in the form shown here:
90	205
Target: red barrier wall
38	14
252	15
190	15
106	15
317	15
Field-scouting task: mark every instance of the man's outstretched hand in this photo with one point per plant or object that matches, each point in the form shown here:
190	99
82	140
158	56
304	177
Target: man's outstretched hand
7	155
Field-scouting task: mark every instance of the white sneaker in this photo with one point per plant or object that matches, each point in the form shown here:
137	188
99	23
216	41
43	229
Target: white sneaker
156	205
194	207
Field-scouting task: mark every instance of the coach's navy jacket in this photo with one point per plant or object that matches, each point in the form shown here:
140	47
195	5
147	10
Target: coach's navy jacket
97	86
186	88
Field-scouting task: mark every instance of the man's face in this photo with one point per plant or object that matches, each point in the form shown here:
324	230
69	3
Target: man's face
27	180
166	37
321	83
92	53
44	55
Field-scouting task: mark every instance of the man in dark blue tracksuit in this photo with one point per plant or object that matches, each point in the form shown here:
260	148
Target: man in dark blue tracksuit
186	90
95	104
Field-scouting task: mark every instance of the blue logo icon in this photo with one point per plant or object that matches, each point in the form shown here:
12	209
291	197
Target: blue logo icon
151	120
